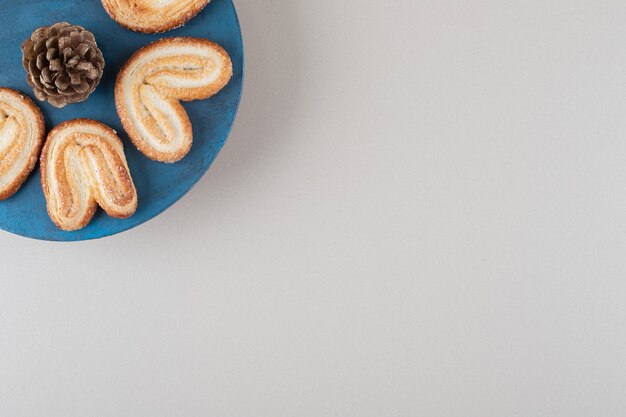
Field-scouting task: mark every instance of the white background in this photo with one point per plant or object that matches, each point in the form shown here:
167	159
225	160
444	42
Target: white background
421	211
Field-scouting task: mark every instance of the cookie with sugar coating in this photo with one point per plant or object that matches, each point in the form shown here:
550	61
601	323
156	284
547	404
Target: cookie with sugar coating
153	16
83	166
151	84
22	130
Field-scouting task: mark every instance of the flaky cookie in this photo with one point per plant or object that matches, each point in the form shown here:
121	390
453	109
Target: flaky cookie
153	16
82	166
155	78
22	130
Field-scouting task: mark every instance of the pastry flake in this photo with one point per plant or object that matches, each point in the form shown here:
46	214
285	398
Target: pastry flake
22	130
153	16
153	81
82	166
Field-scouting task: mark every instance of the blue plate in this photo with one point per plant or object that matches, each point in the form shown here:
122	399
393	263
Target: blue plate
158	185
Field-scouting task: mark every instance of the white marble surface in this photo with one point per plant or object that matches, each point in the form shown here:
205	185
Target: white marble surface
420	212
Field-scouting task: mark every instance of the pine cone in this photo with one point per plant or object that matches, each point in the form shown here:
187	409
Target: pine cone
63	63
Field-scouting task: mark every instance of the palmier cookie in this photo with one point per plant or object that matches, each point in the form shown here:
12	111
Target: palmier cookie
155	78
22	130
153	16
82	166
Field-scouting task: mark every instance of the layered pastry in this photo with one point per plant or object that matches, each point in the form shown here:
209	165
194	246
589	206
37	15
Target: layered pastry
82	166
22	130
153	16
151	85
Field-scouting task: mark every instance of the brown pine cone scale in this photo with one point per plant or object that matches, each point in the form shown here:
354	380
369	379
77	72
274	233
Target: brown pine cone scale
63	63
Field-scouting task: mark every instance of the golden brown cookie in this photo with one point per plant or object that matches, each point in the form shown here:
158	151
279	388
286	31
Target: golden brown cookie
155	78
153	16
22	130
82	166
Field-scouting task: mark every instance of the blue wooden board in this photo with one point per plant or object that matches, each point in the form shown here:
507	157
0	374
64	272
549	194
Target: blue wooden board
158	185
